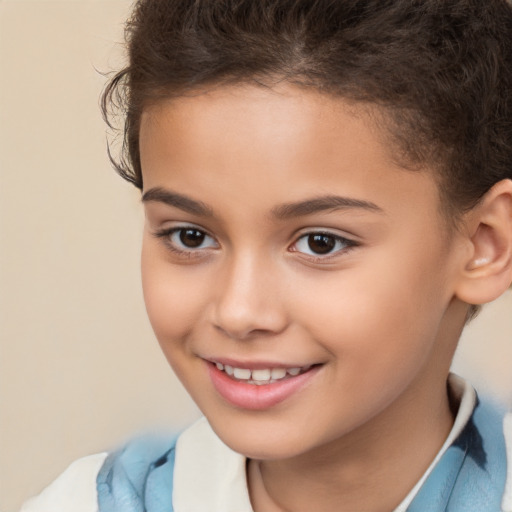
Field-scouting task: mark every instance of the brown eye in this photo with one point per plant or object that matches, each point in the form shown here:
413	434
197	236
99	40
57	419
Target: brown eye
187	240
191	238
321	243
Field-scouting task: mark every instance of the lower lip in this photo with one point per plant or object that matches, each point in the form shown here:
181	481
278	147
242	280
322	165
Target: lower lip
257	397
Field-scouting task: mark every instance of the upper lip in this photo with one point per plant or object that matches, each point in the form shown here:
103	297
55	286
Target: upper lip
254	365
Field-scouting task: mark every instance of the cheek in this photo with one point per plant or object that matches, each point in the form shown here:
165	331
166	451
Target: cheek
174	298
377	341
377	317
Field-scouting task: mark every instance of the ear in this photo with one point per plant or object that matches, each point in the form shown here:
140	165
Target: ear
487	271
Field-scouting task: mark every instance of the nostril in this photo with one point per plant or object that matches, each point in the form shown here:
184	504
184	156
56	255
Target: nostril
248	330
238	332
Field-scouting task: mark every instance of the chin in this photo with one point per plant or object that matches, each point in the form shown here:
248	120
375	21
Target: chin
260	442
260	450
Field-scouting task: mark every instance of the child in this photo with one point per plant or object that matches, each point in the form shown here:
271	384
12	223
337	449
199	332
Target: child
328	197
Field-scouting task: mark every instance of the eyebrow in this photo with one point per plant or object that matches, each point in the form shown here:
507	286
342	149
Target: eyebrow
320	204
282	212
178	201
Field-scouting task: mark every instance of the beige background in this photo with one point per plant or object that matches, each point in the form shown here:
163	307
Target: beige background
79	369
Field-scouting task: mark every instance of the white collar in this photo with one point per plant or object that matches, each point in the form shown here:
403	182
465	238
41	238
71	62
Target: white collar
209	476
462	392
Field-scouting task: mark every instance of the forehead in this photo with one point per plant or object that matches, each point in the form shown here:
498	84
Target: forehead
284	121
271	143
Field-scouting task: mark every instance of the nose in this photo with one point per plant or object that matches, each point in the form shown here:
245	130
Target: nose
248	302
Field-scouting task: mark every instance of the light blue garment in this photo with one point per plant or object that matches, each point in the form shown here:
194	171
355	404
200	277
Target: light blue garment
138	478
470	477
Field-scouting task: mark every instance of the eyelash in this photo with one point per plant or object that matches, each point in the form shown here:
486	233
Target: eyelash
348	244
167	234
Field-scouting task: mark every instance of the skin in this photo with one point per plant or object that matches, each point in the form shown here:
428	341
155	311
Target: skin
379	314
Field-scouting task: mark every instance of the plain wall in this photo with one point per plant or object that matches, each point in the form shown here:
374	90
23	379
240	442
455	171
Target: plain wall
80	371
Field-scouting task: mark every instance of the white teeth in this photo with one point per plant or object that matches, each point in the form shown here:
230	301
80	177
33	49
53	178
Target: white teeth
242	373
277	373
260	375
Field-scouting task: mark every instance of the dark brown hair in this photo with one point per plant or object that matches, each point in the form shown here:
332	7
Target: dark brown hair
441	71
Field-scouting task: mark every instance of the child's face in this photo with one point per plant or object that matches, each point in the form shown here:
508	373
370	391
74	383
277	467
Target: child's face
288	238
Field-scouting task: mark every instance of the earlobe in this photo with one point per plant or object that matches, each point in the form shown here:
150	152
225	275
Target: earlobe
487	271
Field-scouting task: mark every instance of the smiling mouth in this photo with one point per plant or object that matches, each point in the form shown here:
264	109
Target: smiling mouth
262	376
259	387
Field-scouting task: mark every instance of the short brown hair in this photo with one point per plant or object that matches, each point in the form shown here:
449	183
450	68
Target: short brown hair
441	69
